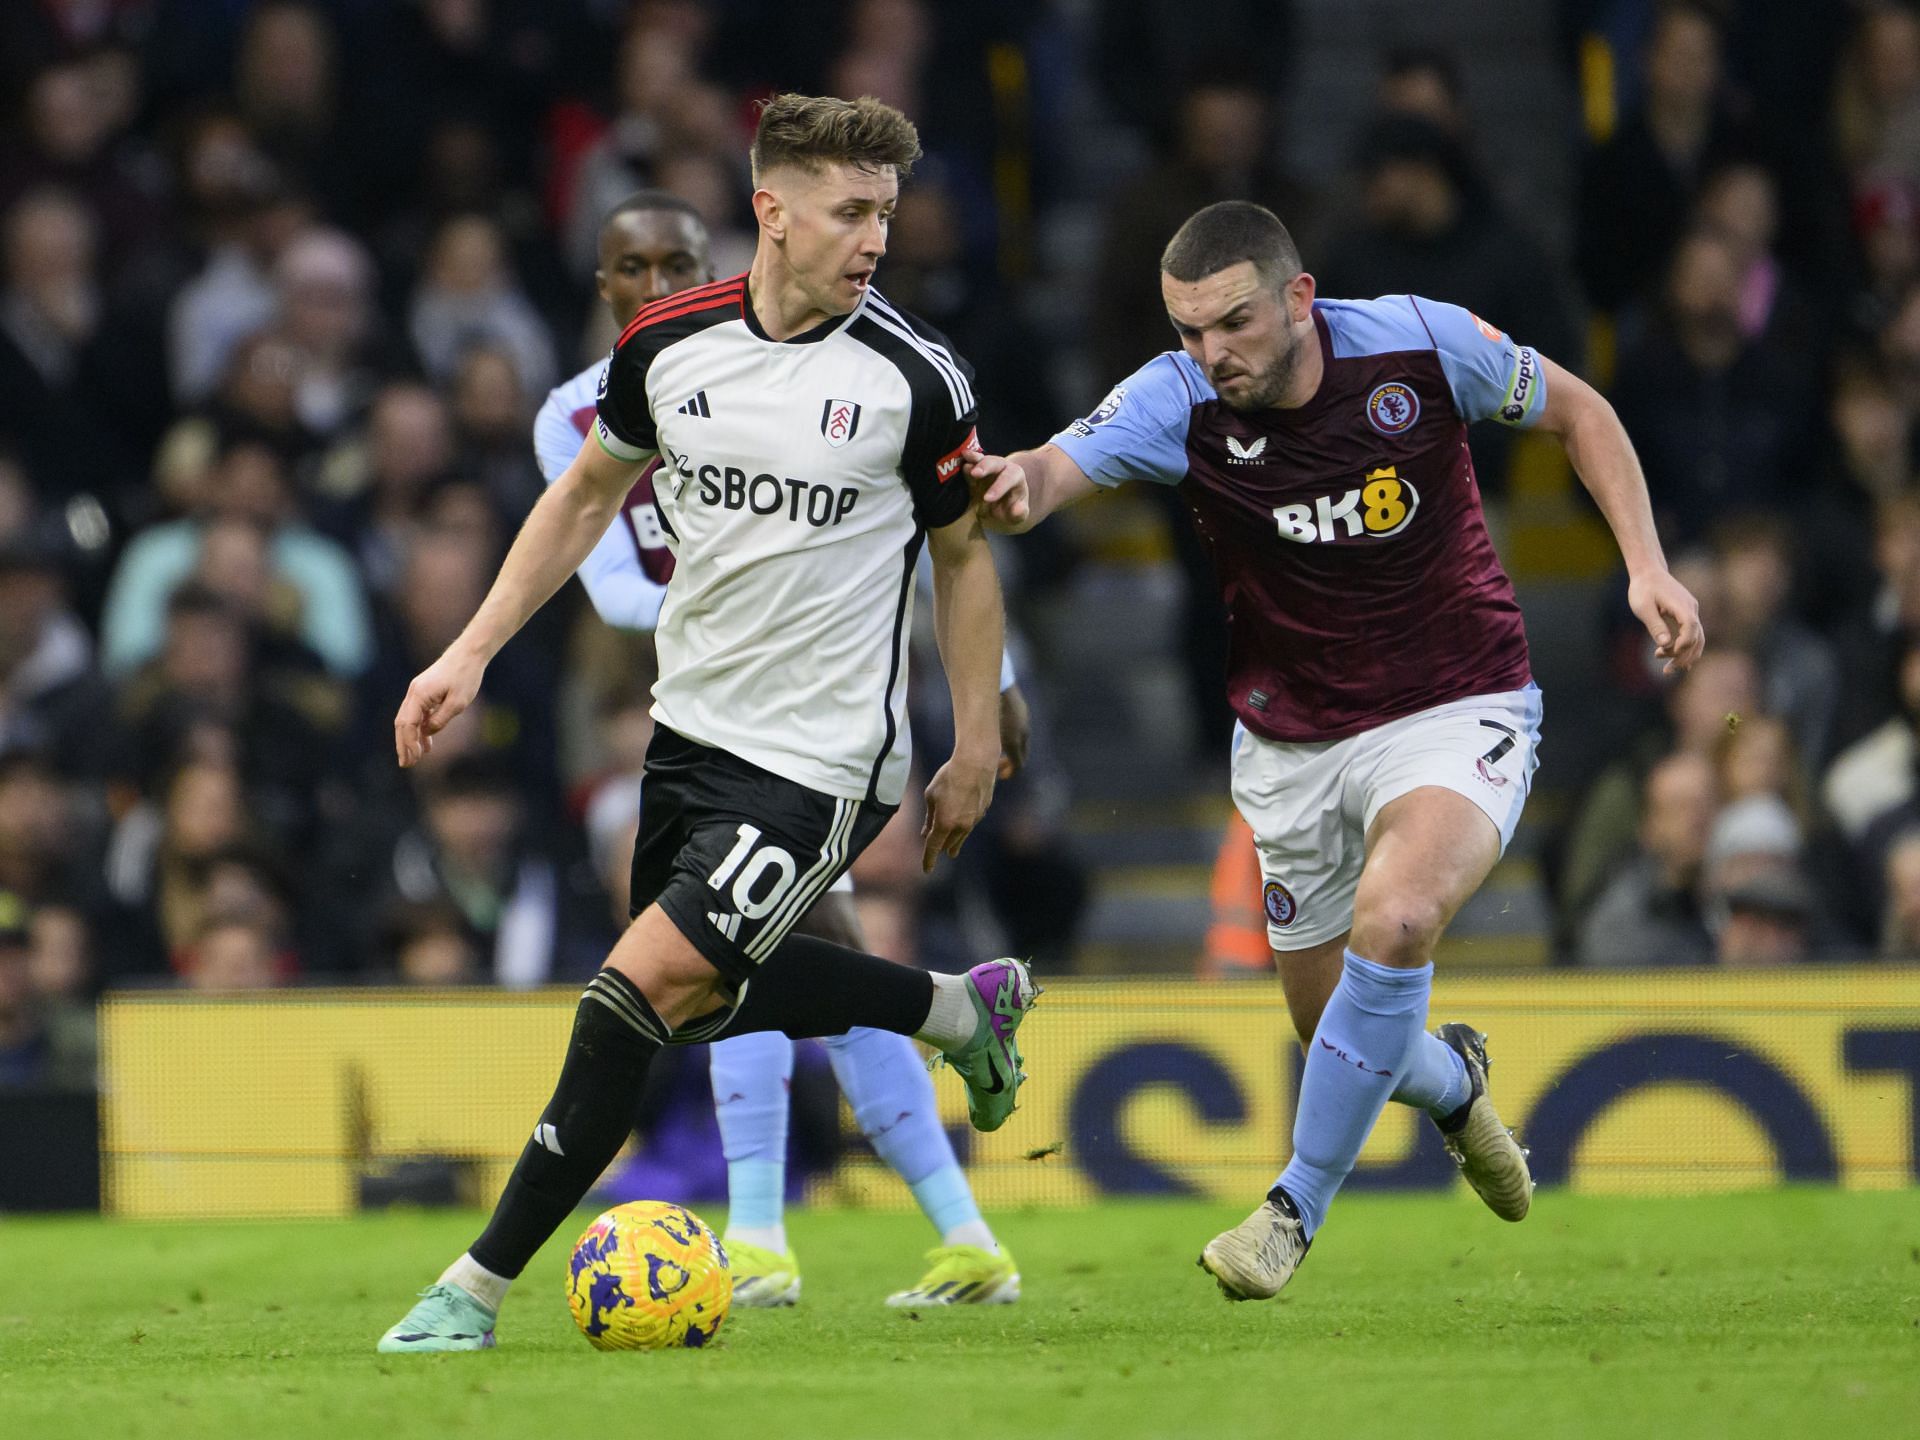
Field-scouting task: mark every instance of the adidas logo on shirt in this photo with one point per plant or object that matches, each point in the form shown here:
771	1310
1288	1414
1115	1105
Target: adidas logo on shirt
696	406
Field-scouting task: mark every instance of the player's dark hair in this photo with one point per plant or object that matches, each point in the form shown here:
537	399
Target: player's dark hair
815	130
1226	234
643	202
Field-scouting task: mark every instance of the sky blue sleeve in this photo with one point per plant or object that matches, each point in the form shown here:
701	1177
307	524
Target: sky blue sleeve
1492	376
555	441
1139	432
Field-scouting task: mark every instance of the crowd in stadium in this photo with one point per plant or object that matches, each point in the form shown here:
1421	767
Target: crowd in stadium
283	283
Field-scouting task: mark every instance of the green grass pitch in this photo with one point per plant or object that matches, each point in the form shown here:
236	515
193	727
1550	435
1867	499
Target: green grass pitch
1789	1313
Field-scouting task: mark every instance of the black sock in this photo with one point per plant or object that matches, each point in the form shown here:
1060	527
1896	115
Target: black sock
810	986
615	1037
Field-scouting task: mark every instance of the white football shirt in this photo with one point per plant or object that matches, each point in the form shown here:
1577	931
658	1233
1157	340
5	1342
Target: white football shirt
797	481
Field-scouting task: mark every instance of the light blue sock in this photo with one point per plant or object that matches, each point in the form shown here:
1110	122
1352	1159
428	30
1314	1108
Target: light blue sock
1353	1065
886	1083
1433	1077
751	1076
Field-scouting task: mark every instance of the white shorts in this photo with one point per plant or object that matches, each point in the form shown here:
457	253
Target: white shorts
1311	805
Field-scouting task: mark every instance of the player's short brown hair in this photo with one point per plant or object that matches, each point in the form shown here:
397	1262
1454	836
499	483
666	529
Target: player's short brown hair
815	130
1226	234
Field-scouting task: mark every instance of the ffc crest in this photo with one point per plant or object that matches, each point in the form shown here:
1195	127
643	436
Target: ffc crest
839	422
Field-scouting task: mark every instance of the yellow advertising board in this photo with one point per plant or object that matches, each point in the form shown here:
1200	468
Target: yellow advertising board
1671	1082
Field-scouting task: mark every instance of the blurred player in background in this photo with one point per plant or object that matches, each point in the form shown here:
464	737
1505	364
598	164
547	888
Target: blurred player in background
814	439
1388	719
652	245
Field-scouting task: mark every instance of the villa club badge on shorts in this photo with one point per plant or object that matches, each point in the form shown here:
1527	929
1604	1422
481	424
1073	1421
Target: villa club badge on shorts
1281	909
839	422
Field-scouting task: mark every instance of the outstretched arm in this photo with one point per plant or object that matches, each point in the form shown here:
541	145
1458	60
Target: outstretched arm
1602	456
563	527
1020	490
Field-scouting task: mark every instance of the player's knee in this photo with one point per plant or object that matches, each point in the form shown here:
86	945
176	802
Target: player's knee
1399	930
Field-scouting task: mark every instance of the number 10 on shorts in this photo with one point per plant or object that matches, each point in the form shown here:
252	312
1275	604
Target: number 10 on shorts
748	875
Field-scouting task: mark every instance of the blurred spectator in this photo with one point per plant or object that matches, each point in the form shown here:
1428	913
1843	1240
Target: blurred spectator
492	417
76	114
158	856
235	952
1873	786
49	690
256	397
1723	424
62	966
216	693
1867	464
1886	227
1875	643
1875	432
35	36
709	184
1722	689
1740	202
1900	928
285	82
1137	44
1758	757
468	296
665	109
473	848
1799	676
43	1041
249	219
925	273
1877	94
1430	226
323	284
1753	838
1760	904
44	836
1224	149
249	486
449	564
1637	188
374	487
1427	84
1651	913
462	170
430	944
1766	923
51	343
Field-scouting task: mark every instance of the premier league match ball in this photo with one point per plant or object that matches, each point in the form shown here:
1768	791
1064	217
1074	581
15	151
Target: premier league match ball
648	1276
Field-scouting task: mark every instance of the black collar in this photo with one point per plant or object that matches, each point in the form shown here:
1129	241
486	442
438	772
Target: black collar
833	324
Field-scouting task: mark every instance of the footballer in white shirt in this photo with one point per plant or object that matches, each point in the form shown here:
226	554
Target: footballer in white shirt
653	245
812	440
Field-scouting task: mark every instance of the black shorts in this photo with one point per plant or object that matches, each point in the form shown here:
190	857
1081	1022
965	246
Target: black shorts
736	854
